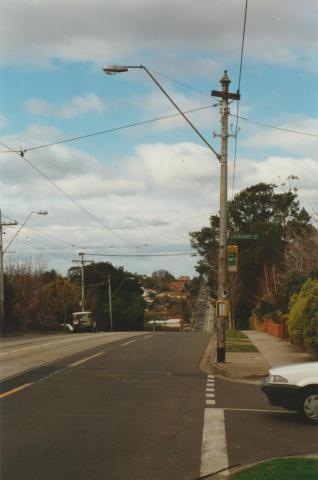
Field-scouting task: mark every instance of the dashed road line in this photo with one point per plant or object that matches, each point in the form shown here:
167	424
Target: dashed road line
79	362
209	392
127	343
15	390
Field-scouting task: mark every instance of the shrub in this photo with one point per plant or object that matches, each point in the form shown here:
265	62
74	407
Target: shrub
303	316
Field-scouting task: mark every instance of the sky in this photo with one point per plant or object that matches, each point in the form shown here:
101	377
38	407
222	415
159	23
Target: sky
140	189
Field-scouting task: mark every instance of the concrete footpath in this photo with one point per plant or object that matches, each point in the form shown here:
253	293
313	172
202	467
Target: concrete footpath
272	352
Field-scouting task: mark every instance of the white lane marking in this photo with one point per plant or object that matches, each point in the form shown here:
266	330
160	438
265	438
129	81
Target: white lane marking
81	340
210	376
86	359
214	456
210	402
127	343
210	395
209	389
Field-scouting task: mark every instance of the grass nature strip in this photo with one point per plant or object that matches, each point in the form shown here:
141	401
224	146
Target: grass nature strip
278	469
237	341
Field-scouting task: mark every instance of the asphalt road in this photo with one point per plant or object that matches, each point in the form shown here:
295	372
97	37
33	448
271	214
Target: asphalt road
137	408
257	431
18	354
132	409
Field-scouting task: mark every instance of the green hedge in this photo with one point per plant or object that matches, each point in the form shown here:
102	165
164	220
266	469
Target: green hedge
303	316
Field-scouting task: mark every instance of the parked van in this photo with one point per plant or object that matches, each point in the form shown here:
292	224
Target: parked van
83	322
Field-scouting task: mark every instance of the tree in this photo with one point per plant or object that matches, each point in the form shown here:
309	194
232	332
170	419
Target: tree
274	219
23	293
62	298
127	301
303	316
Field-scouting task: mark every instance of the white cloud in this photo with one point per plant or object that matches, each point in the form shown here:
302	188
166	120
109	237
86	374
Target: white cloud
287	142
158	182
76	106
80	31
155	105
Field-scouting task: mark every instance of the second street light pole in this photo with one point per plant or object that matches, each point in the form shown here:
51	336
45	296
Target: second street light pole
222	303
110	303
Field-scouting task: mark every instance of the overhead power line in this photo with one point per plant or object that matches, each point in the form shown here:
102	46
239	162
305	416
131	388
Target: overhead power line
273	127
142	255
71	199
128	227
180	83
238	102
101	132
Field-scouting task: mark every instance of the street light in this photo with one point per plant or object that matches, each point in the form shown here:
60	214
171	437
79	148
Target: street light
113	69
39	212
222	158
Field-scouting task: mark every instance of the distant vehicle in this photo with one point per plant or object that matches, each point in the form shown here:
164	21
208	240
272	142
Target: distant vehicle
294	387
68	327
83	322
169	324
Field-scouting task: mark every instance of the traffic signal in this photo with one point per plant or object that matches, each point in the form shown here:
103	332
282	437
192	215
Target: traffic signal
232	258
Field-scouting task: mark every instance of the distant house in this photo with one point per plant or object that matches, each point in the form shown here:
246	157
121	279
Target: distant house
179	285
184	279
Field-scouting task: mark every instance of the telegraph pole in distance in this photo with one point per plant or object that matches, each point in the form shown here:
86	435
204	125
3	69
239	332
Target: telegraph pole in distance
2	313
82	262
222	312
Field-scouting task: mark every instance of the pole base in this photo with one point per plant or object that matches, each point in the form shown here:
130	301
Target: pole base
220	355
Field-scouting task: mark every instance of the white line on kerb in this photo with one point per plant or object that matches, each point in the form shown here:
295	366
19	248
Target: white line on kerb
214	455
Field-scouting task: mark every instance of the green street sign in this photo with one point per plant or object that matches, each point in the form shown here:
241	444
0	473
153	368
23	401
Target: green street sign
245	236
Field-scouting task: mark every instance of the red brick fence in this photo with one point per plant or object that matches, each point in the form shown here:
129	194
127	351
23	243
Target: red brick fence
269	326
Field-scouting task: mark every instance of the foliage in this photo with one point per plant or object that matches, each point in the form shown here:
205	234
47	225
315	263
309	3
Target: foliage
279	223
127	301
38	299
303	316
264	308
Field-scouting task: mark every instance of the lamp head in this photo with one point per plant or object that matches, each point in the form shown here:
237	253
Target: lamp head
113	69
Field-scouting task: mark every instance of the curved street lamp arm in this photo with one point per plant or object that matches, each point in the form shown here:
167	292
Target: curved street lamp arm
179	110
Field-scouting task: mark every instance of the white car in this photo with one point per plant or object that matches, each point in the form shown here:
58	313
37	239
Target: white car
294	387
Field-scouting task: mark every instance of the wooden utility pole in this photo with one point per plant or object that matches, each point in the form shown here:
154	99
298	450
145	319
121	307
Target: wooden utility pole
222	303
